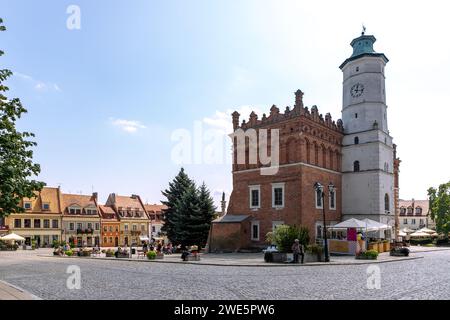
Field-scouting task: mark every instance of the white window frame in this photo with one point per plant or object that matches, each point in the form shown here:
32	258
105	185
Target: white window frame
405	221
255	223
25	205
251	189
329	201
278	186
315	201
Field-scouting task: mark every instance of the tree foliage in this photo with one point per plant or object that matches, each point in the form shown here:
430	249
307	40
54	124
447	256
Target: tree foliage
440	207
190	211
284	236
16	156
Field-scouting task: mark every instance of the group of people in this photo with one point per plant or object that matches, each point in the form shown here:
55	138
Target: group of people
158	246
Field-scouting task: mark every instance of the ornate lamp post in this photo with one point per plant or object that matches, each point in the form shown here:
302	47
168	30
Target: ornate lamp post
320	190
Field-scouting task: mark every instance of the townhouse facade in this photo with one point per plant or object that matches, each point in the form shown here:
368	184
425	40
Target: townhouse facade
414	214
41	221
80	220
133	218
155	213
110	233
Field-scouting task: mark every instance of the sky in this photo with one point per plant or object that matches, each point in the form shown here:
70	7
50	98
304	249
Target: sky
114	101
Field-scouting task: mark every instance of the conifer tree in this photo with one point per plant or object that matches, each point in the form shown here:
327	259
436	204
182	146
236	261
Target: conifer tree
208	212
176	190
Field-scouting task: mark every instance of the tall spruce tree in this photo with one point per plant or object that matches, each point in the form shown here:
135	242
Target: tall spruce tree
208	212
16	157
174	193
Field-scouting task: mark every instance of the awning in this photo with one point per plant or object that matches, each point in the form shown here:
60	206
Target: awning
12	236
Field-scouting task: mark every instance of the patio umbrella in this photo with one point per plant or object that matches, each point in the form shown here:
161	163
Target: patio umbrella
435	234
12	236
349	224
375	225
402	234
419	234
407	230
426	230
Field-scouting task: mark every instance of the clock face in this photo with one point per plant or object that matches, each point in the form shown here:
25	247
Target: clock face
357	90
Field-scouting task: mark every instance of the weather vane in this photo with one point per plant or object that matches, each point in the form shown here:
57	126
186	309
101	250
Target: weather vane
364	29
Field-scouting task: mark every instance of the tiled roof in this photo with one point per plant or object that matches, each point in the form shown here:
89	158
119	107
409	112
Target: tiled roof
128	202
47	195
424	204
155	208
107	212
83	201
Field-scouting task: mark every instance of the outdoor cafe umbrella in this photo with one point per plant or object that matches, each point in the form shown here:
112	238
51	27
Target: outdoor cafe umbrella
419	234
375	225
350	224
426	230
12	237
407	230
402	234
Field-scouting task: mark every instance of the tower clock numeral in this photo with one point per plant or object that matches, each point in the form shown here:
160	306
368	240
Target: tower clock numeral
357	90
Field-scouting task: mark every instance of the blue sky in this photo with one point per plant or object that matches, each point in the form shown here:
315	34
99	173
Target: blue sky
105	100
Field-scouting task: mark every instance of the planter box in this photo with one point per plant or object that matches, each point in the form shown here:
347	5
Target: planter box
161	256
373	246
279	257
386	246
380	247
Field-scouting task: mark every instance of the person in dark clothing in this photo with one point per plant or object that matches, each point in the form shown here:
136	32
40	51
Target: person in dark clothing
297	250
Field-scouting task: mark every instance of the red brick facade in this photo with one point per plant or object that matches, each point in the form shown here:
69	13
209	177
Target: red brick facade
309	152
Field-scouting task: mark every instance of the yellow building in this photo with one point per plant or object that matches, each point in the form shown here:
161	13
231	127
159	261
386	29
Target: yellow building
41	220
133	218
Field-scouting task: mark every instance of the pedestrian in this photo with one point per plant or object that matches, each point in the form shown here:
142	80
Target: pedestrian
297	250
145	248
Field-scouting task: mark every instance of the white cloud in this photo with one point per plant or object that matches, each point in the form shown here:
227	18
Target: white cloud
130	126
38	85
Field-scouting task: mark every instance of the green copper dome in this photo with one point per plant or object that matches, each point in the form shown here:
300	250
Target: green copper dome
362	47
363	44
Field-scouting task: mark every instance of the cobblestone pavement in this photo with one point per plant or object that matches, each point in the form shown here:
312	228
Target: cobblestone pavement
45	277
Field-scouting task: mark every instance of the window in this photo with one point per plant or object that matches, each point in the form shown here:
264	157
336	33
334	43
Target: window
356	116
110	229
356	167
405	221
255	230
37	223
142	227
117	229
55	224
17	223
418	211
126	227
105	228
356	140
79	226
27	205
153	229
72	211
402	210
46	223
319	232
278	195
255	197
46	206
357	69
134	227
90	225
72	226
410	210
421	222
110	240
332	200
97	226
387	205
319	204
413	221
27	223
104	240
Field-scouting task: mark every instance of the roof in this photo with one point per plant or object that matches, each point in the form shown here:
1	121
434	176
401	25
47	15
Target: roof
363	47
84	201
155	208
47	195
232	218
424	204
107	212
128	202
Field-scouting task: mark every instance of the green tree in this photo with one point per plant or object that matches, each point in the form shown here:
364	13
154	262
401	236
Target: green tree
440	207
16	156
208	213
176	190
284	236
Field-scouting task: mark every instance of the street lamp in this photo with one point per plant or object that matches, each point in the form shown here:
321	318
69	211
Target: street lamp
320	189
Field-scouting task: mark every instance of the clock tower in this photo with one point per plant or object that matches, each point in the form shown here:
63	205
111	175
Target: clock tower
368	152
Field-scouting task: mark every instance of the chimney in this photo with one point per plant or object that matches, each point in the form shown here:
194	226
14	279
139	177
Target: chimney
95	195
134	196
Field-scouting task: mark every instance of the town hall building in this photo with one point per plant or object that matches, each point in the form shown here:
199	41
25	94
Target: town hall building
354	159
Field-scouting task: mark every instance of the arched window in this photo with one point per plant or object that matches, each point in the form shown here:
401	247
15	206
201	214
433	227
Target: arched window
356	140
356	166
387	206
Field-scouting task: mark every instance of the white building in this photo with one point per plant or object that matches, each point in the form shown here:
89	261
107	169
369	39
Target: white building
414	215
368	152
